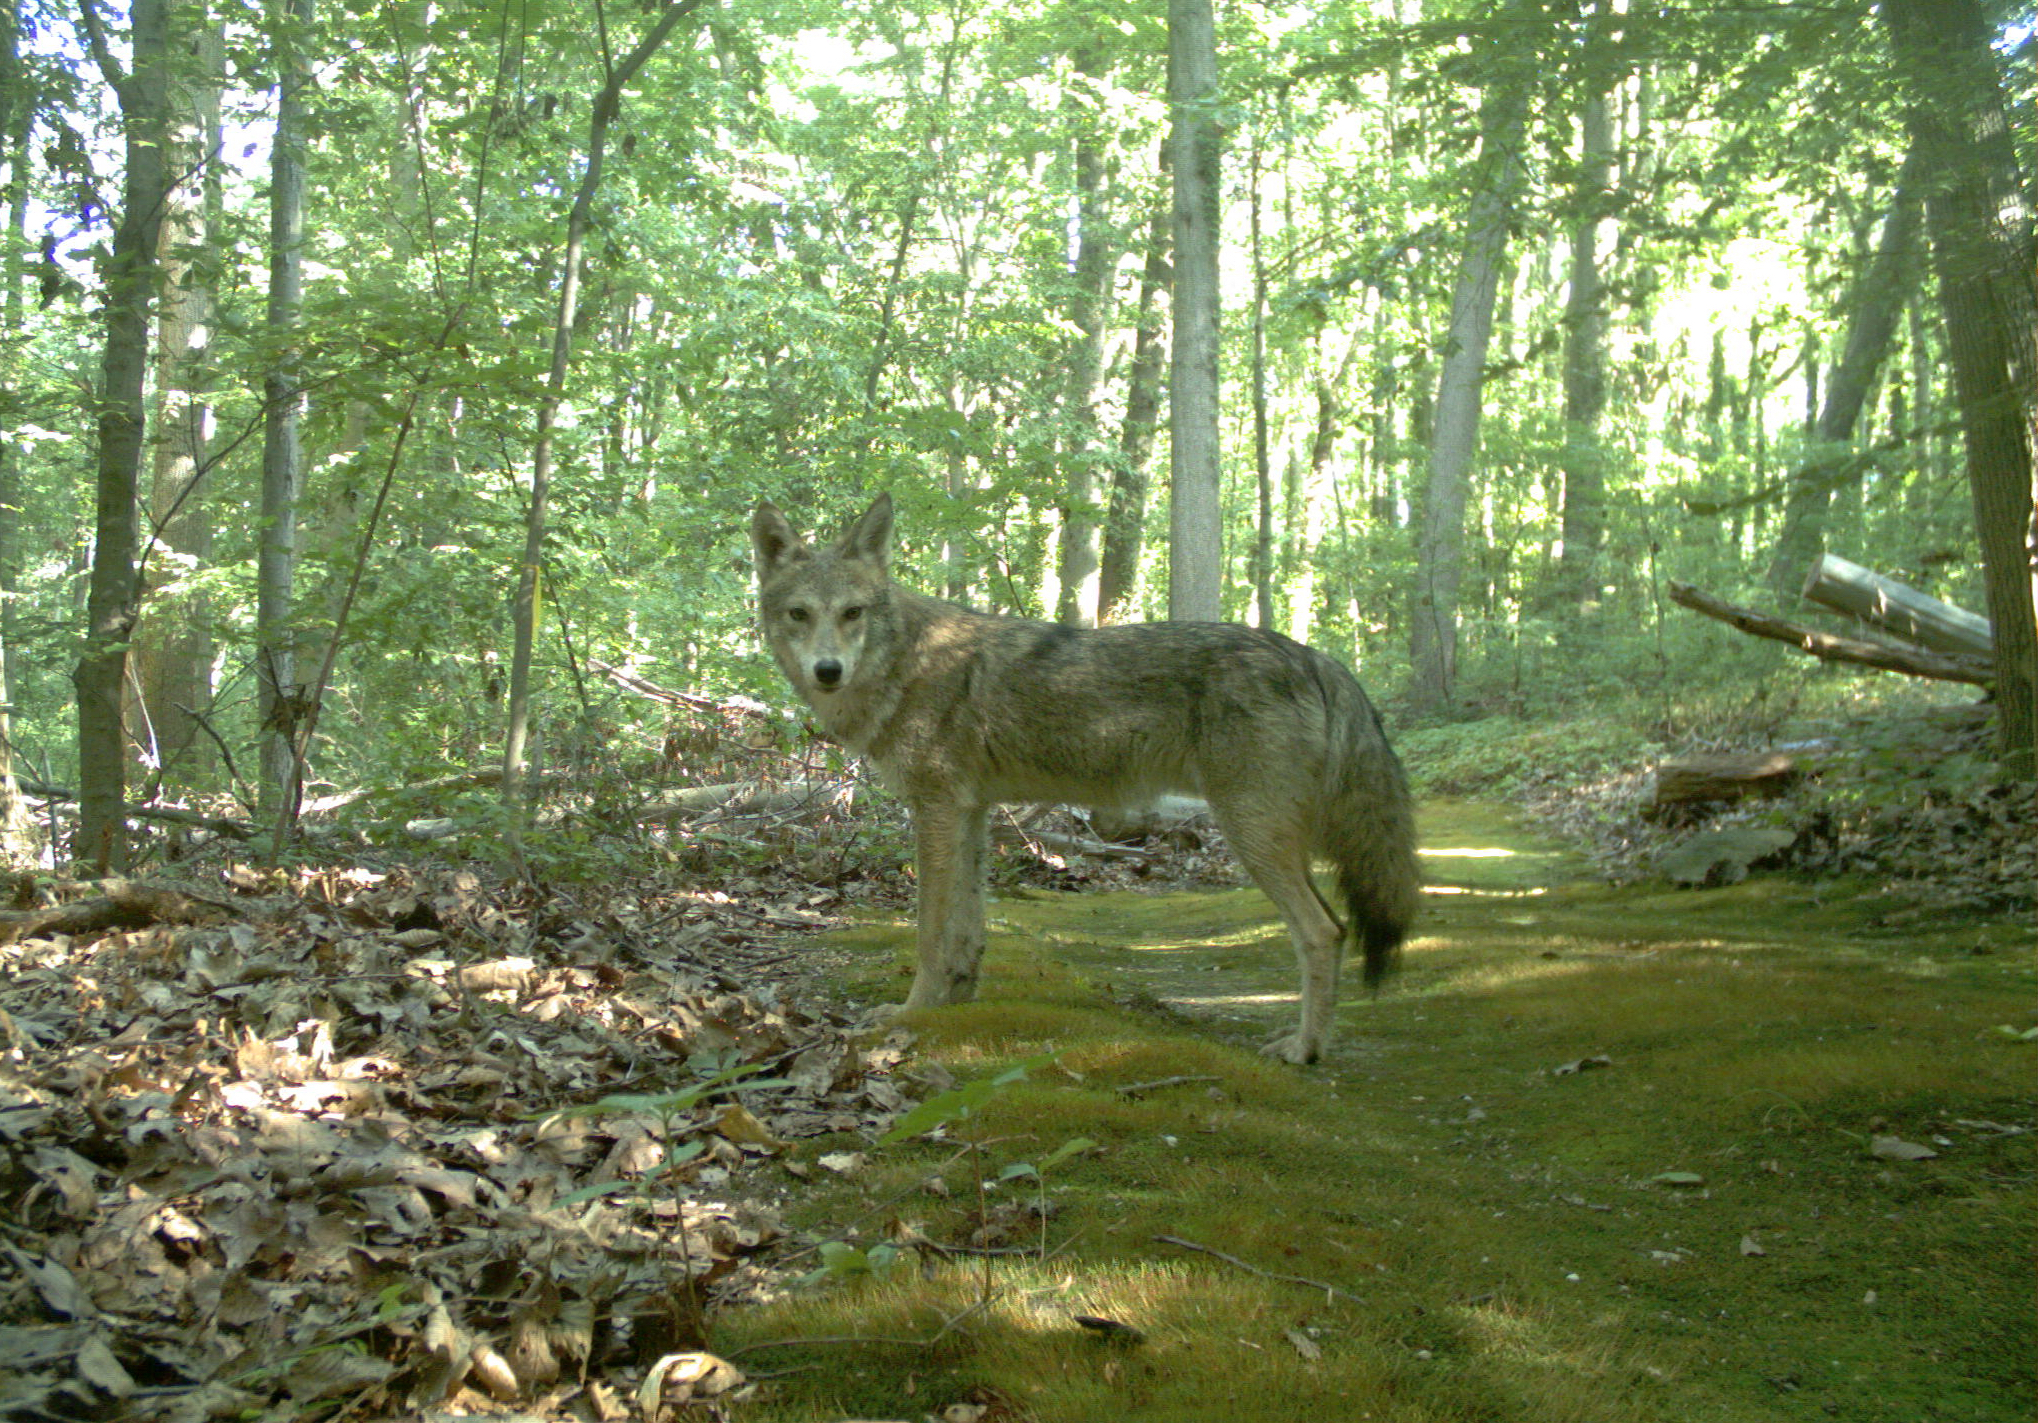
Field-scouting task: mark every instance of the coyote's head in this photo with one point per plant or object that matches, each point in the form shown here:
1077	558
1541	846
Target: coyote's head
823	610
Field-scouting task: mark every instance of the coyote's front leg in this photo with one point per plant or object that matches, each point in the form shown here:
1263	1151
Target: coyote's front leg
950	840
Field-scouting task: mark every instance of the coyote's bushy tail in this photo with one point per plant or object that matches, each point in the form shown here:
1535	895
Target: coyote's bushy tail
1366	828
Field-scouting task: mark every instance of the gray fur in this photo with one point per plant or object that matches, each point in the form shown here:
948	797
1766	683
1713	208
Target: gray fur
960	710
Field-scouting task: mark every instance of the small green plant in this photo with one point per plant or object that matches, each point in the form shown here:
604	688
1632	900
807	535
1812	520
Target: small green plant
841	1260
718	1075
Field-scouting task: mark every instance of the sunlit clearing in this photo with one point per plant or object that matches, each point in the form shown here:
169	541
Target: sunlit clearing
1471	852
1485	893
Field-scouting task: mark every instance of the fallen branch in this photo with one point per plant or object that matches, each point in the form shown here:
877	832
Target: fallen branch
1134	1089
1067	844
1253	1269
168	814
743	798
465	780
631	682
1887	656
122	906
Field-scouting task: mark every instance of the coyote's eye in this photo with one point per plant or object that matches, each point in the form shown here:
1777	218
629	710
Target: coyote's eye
851	614
796	615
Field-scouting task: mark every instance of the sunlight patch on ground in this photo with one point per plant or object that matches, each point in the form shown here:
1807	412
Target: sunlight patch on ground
1469	852
1482	893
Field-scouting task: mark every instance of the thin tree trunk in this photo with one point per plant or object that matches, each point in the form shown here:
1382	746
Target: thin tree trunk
101	673
1263	472
1089	313
1195	451
276	558
1585	319
173	644
1982	250
17	116
525	609
1873	306
1440	543
1125	524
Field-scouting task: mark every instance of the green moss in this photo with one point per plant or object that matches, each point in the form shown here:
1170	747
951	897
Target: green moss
1499	1233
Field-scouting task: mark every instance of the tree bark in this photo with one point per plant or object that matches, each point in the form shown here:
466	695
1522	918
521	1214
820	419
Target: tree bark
1125	523
173	645
1982	252
1897	608
1263	470
17	116
1440	543
1195	451
1585	320
1873	307
130	274
524	612
1089	313
1861	652
283	400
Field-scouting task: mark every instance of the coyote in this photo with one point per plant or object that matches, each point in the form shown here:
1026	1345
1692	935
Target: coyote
960	710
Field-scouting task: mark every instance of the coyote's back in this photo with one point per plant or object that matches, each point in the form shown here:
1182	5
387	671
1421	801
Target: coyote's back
960	711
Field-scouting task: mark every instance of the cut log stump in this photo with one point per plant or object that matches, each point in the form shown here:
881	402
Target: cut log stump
1723	776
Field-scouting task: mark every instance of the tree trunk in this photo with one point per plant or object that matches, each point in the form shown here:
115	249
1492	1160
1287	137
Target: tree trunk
1858	651
524	612
1585	319
1195	451
1125	524
17	116
1263	471
130	270
1440	543
1897	608
1873	307
276	558
173	643
1982	251
1089	313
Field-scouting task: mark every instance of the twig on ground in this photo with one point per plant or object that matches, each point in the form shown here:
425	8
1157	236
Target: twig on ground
1133	1089
1253	1269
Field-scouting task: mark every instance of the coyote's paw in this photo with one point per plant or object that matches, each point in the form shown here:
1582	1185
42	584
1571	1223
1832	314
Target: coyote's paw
1293	1047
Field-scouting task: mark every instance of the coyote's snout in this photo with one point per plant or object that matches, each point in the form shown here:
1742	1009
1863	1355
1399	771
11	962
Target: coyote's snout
960	711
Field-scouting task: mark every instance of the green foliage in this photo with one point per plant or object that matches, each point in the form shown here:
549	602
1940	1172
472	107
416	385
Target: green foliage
832	253
960	1104
1505	758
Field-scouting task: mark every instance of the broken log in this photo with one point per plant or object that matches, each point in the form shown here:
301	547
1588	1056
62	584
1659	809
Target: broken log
124	905
1859	651
747	798
1723	776
1897	608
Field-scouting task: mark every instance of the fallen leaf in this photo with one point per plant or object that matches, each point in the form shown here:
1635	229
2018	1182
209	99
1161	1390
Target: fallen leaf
1750	1247
1308	1348
1583	1064
1677	1178
1895	1148
735	1123
1110	1329
680	1378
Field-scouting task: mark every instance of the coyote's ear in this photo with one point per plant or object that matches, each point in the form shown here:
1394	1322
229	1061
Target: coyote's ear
773	538
870	537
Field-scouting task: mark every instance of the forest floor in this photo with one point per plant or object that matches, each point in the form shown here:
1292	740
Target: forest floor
1762	1151
409	1141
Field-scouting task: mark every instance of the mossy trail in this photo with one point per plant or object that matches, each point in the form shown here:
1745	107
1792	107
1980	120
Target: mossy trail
1598	1153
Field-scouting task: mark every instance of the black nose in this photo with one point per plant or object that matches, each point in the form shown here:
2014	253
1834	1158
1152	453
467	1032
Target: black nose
828	672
